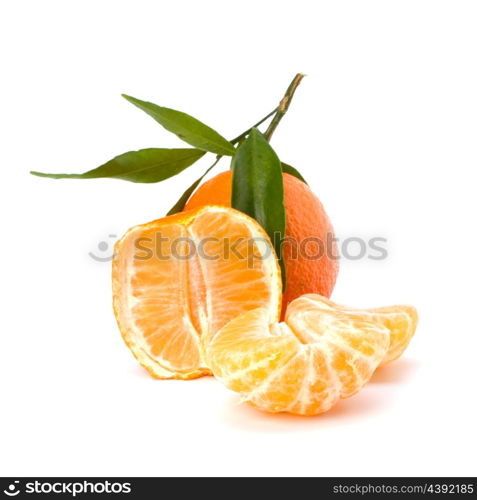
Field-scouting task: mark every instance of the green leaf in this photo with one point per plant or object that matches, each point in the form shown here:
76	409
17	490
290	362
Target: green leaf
145	165
257	188
288	169
186	127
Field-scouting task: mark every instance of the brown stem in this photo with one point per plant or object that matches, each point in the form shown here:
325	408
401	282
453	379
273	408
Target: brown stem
283	106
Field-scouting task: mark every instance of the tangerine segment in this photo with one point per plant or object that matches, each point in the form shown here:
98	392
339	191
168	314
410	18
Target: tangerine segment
304	365
179	279
401	320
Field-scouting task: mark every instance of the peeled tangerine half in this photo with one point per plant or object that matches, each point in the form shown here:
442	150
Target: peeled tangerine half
321	353
178	280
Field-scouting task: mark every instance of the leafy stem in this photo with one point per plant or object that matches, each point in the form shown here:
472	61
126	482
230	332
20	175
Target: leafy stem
181	202
278	113
244	134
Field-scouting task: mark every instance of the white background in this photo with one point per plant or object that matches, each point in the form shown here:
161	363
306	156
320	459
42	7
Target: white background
383	127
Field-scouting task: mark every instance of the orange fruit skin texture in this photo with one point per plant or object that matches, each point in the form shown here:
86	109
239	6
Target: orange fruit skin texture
168	307
323	352
305	218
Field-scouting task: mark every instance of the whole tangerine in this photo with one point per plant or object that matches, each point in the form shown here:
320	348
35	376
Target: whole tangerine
309	250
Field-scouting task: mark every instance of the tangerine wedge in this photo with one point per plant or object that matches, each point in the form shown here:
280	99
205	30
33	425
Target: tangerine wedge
178	280
321	353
